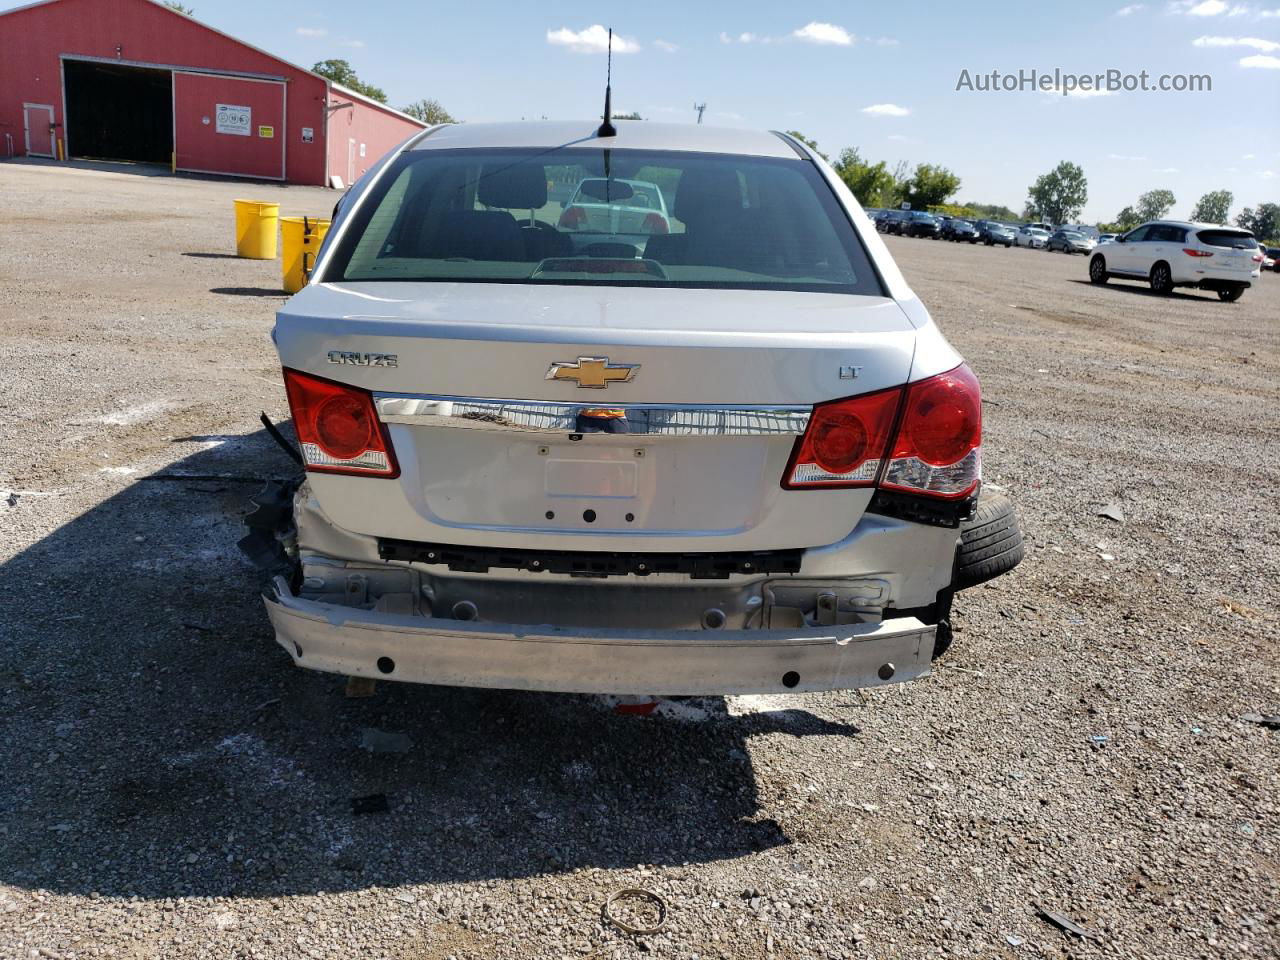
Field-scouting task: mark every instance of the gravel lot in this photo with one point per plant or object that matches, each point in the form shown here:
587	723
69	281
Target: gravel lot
173	787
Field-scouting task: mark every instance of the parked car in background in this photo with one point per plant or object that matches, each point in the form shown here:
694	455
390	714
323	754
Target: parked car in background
616	209
960	231
1176	253
992	233
942	220
1272	261
1069	241
1106	237
1032	237
738	457
919	224
1046	227
890	221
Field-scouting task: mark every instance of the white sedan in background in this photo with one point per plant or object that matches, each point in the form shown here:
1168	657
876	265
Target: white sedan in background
1032	237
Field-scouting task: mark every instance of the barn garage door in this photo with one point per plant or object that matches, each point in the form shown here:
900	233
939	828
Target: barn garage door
229	125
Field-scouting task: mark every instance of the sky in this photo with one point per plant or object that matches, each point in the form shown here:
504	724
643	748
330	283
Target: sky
879	77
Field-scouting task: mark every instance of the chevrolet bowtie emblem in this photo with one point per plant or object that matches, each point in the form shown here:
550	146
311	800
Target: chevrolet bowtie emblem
595	372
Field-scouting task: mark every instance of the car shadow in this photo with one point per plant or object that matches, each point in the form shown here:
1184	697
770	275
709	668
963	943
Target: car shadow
211	256
1141	291
158	743
249	292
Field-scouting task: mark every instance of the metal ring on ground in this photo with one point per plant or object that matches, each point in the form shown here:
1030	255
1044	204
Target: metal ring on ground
636	893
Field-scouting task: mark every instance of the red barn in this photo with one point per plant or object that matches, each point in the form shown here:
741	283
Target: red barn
134	80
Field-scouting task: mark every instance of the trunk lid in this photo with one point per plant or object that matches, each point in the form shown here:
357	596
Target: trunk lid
705	392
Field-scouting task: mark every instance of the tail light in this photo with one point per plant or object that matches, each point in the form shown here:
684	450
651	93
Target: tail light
1197	253
845	442
338	428
573	218
936	450
654	223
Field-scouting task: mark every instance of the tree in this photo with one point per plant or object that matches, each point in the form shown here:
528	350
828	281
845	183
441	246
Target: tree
1127	219
1059	195
1154	204
1212	207
342	73
811	144
991	211
1263	223
929	186
180	8
633	115
866	181
429	111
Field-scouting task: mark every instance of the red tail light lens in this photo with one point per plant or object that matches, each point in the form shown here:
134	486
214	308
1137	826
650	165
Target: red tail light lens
845	442
938	450
1197	253
573	218
338	428
654	223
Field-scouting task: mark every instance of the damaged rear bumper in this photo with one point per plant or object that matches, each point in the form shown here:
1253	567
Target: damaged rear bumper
371	643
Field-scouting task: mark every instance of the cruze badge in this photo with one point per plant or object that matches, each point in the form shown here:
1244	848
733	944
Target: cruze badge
594	372
364	359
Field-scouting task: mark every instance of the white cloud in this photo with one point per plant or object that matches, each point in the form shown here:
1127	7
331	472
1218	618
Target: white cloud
354	44
725	38
1267	174
886	42
311	32
824	33
895	136
666	46
1247	156
886	110
594	39
1121	156
1130	9
1165	170
1207	8
747	38
1261	61
1266	46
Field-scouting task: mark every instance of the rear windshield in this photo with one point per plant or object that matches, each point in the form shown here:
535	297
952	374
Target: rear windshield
603	217
1234	239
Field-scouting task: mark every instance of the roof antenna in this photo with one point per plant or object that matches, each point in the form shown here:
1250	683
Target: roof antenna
607	129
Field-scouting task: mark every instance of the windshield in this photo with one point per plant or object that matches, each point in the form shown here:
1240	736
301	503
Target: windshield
603	217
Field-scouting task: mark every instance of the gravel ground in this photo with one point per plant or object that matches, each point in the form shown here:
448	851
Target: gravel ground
173	787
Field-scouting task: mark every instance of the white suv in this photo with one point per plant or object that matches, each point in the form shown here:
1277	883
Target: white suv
732	456
1172	253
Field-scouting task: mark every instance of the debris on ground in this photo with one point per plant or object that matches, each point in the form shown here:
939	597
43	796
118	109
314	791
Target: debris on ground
359	688
1112	511
1271	721
1065	923
383	741
647	912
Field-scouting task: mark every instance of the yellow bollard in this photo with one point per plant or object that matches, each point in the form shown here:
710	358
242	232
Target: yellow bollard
256	227
302	238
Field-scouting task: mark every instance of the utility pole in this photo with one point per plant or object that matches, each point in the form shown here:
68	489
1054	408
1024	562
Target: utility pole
699	107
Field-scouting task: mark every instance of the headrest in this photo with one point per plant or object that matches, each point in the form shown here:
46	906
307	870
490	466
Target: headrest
521	186
705	192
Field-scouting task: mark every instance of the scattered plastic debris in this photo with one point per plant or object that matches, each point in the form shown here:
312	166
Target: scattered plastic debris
358	688
380	741
1112	511
374	803
1099	739
1065	923
635	894
1013	940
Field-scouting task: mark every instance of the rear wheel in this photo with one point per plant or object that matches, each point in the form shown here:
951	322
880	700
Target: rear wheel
1232	293
1161	279
1098	269
990	542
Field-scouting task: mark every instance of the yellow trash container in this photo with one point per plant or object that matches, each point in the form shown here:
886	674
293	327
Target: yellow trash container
302	239
256	226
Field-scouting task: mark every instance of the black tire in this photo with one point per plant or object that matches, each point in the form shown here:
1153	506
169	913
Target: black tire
1098	269
990	542
1161	279
1232	294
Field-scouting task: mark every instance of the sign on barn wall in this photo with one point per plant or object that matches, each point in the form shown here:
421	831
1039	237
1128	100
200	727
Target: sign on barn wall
234	120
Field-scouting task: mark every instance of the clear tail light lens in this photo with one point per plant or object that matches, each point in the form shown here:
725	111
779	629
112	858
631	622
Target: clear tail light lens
938	449
338	428
845	442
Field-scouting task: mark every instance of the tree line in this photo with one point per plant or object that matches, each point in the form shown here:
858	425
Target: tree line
429	111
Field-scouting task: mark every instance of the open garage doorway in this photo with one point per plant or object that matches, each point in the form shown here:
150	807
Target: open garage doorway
117	111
